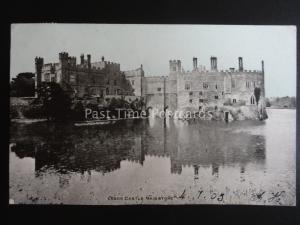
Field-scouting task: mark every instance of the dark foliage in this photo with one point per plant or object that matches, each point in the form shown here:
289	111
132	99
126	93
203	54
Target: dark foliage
56	102
22	85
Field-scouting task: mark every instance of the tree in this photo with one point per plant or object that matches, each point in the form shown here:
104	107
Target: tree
56	102
268	103
293	102
23	85
257	94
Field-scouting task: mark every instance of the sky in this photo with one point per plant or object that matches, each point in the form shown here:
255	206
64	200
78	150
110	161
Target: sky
154	45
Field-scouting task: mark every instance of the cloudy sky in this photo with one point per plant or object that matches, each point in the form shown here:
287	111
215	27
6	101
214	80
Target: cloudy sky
154	45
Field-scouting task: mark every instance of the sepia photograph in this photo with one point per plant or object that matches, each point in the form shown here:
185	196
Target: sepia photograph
136	114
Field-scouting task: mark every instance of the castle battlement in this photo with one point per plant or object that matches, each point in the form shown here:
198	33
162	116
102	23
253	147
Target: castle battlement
175	66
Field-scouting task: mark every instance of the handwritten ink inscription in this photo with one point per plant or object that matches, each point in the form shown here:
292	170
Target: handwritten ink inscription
205	196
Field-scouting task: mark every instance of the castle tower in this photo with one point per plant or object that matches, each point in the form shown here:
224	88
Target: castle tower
195	63
39	62
241	68
175	66
213	63
63	58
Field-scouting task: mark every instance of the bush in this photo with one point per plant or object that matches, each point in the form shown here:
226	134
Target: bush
34	112
13	112
56	101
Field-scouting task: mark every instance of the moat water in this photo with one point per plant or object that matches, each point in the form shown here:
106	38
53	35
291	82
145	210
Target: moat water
152	162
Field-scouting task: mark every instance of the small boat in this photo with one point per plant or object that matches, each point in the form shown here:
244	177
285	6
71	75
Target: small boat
95	122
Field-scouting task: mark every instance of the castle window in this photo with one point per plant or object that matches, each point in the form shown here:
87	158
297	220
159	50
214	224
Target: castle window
174	68
233	84
200	93
191	100
72	79
159	89
234	100
248	84
216	86
216	97
222	92
205	85
200	100
253	83
187	86
47	77
252	100
191	93
132	82
107	82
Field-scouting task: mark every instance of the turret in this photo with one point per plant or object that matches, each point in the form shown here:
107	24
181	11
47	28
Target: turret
63	58
175	66
39	62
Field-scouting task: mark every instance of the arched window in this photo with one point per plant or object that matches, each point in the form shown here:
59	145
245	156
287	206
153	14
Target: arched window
252	100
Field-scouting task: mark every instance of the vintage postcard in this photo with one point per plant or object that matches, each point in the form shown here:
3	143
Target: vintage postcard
119	114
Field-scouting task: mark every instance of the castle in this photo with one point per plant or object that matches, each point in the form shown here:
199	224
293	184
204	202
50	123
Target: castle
193	89
96	79
177	91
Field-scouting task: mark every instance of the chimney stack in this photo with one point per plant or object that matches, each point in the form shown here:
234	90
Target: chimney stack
262	66
82	59
89	60
213	63
195	63
241	68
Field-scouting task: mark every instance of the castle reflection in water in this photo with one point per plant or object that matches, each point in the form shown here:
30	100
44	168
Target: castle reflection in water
65	149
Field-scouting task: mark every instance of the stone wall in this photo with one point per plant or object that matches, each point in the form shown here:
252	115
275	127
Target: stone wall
136	79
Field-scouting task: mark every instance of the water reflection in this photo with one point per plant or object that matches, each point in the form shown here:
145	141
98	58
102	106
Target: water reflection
62	149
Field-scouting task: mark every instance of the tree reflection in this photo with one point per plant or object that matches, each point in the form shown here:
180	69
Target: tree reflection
65	149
